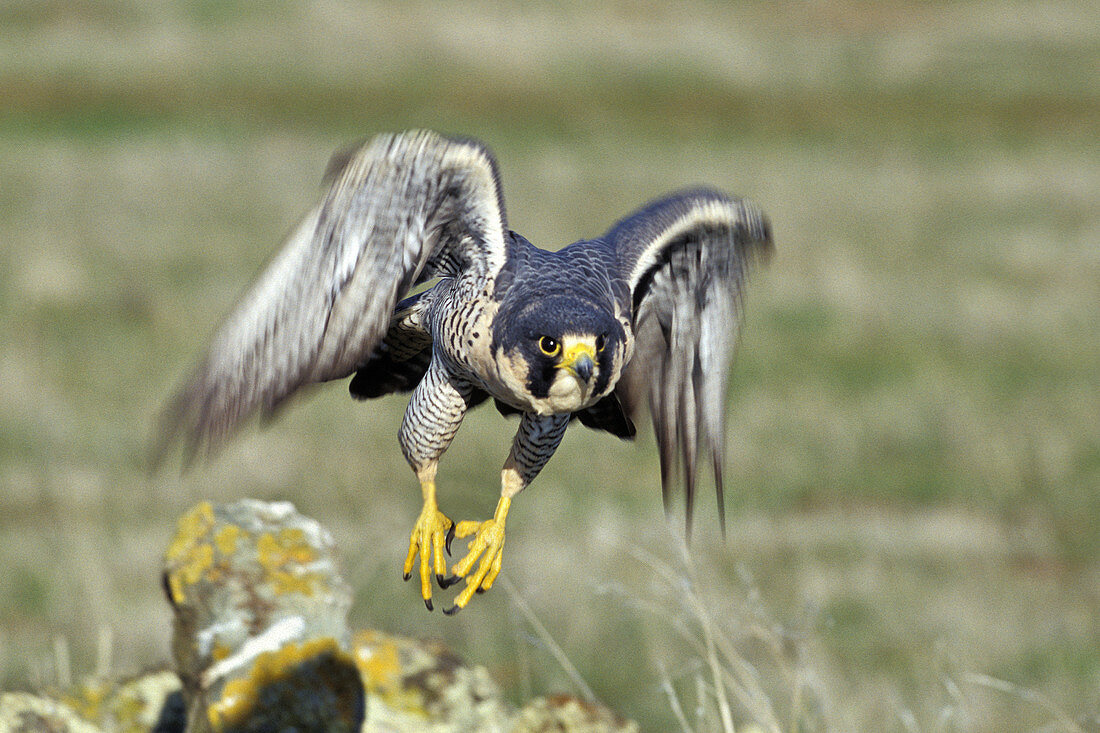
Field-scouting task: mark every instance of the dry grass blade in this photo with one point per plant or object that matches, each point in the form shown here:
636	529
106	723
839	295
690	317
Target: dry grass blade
554	648
1064	721
673	698
730	673
63	667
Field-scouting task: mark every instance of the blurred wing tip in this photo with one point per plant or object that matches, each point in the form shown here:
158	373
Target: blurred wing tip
339	160
750	225
172	435
191	425
431	153
414	142
689	479
759	234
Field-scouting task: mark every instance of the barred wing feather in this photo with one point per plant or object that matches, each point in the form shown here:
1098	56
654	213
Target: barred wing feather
684	259
399	210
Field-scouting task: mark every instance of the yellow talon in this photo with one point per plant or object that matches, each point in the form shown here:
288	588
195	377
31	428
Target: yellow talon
431	533
488	545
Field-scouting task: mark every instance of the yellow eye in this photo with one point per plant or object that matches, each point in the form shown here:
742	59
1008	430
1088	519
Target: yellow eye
549	346
601	342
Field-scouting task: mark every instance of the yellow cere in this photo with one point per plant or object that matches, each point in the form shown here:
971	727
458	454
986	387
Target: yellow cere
575	352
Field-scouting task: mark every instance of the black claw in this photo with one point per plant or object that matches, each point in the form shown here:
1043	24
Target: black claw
448	581
479	589
406	576
452	610
450	536
428	603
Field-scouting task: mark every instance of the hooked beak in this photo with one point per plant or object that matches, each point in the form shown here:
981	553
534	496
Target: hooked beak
580	360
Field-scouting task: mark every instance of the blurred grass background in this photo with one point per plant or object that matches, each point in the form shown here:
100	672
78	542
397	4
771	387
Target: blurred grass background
915	413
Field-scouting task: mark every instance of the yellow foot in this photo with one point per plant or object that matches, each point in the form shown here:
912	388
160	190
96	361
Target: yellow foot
431	534
488	544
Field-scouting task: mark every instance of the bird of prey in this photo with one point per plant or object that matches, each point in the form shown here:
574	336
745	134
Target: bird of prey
648	312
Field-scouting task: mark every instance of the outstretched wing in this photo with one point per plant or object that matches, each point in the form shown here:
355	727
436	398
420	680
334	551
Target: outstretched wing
684	260
399	210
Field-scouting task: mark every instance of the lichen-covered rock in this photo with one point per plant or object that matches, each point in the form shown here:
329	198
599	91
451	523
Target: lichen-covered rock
140	704
422	686
564	714
22	712
260	635
261	644
144	703
135	705
313	686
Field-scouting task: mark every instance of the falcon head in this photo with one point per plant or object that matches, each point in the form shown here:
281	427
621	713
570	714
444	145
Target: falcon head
559	354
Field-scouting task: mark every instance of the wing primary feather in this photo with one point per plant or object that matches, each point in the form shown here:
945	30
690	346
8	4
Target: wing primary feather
684	259
397	209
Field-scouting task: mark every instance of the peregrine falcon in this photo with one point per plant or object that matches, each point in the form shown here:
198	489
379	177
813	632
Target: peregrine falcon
647	312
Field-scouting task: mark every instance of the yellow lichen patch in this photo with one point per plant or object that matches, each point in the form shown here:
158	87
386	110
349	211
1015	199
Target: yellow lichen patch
226	539
220	650
191	528
130	709
284	582
22	711
190	571
292	547
137	704
379	661
87	698
379	664
240	697
281	555
190	555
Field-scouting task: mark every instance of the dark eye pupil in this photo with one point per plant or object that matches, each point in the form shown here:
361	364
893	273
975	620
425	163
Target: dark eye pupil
601	341
548	344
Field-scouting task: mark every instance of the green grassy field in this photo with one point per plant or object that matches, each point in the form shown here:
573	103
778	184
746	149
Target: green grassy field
914	423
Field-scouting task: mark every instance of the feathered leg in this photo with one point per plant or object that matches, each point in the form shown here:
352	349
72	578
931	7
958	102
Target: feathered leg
431	420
